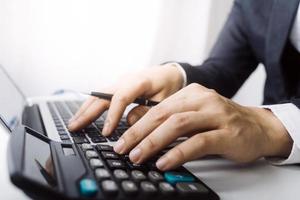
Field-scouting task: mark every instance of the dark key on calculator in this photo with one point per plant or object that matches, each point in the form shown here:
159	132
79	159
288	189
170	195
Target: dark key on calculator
118	178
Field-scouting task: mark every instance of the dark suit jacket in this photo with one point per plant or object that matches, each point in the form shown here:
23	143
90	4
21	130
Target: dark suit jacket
256	31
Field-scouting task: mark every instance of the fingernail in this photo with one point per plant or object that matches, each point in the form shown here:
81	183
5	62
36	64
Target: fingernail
119	146
162	163
135	154
71	126
105	130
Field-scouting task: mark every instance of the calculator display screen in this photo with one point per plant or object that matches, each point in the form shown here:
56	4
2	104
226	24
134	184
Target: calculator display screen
38	161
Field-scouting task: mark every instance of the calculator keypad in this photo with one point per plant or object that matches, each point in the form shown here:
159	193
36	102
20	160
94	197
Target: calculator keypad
115	173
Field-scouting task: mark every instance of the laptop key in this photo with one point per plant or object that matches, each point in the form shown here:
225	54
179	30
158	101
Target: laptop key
66	141
64	137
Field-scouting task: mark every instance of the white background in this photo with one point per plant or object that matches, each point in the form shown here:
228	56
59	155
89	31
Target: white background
86	44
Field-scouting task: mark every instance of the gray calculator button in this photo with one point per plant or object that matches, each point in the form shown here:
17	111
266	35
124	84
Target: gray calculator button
191	188
101	173
138	175
109	187
95	163
166	188
155	176
120	174
129	187
148	187
86	147
91	154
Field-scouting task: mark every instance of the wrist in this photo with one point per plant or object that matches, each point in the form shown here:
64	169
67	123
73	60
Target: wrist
279	141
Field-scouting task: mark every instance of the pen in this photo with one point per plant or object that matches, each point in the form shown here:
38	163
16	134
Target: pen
140	101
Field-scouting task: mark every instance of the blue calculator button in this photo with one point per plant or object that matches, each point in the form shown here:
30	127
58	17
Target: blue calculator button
88	187
176	177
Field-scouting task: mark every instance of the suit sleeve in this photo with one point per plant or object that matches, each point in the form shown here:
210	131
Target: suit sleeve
231	60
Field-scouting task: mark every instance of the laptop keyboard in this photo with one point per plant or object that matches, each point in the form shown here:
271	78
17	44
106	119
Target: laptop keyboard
114	176
90	134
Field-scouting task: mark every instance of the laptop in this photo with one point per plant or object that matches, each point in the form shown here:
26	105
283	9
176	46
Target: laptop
46	161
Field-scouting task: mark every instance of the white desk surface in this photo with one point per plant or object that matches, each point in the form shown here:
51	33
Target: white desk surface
231	181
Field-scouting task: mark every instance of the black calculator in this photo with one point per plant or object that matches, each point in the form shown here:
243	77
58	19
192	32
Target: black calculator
46	169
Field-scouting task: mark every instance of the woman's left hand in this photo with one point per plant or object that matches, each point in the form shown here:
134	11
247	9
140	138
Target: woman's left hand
215	126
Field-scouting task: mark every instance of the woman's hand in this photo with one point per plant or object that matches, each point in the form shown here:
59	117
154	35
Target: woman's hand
154	83
215	125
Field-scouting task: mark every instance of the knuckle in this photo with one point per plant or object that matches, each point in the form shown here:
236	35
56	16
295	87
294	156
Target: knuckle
179	120
194	85
159	113
212	96
150	143
120	98
178	153
131	135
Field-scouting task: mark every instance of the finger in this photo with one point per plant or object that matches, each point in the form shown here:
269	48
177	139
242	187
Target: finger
82	108
136	113
207	143
151	120
89	115
174	127
121	99
176	103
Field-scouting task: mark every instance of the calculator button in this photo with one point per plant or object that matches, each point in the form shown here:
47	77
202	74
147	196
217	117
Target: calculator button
138	175
120	174
98	139
109	187
166	188
101	147
129	187
101	173
115	164
191	188
86	147
148	187
109	155
95	163
135	166
88	187
155	176
91	154
175	177
80	140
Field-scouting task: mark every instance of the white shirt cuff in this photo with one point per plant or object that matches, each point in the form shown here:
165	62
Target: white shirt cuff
289	115
184	77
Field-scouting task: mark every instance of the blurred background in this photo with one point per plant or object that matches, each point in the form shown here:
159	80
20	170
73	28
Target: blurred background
86	44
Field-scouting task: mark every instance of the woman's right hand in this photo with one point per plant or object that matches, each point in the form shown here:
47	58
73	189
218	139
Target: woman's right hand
155	83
